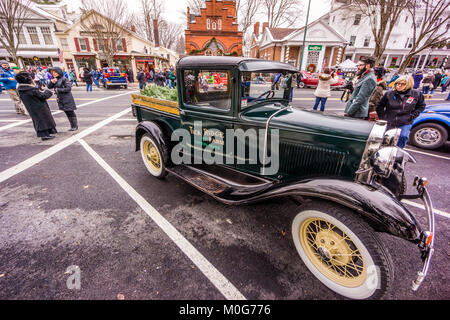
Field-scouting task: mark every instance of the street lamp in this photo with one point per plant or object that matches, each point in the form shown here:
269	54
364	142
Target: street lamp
304	37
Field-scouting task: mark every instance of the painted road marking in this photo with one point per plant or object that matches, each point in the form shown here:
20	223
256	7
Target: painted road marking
10	120
58	112
8	173
428	154
418	205
225	287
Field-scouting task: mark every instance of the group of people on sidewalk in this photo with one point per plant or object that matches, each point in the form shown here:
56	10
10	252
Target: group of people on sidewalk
27	95
370	100
166	78
431	81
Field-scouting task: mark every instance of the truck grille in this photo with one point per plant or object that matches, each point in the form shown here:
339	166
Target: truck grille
306	160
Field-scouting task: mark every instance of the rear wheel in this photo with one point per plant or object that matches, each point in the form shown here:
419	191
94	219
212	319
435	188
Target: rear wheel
342	251
429	135
152	156
301	84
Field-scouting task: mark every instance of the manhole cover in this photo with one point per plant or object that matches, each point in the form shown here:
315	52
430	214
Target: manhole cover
123	137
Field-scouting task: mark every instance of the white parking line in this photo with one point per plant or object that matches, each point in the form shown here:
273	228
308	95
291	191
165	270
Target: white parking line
12	125
436	211
225	287
428	154
8	173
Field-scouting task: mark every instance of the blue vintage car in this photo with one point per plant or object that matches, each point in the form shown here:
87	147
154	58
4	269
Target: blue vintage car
431	128
112	77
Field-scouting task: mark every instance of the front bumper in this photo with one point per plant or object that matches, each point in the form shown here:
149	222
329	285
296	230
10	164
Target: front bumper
116	83
426	244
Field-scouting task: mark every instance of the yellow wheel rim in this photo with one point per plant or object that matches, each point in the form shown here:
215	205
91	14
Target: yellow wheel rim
332	252
151	156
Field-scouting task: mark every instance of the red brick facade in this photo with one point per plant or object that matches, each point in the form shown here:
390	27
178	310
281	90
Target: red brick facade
214	31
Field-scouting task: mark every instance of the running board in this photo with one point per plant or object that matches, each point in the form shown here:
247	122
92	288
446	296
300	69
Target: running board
223	183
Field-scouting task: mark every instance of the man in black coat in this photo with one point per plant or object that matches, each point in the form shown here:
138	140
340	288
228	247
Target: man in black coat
35	102
64	96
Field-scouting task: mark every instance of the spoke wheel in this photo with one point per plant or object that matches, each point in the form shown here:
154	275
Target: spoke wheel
152	156
342	251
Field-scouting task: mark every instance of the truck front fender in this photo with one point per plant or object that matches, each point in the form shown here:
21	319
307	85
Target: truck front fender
378	207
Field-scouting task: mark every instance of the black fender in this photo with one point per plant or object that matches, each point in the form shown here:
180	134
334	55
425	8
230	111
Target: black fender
380	208
160	132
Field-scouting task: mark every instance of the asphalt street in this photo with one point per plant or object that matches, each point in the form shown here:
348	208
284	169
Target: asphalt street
84	200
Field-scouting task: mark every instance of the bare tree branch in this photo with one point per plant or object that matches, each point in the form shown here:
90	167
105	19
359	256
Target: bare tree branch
430	24
105	21
282	12
13	14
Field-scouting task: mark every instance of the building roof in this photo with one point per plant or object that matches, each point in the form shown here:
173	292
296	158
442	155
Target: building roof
280	33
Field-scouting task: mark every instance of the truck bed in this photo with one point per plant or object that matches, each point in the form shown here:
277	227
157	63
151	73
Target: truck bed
152	109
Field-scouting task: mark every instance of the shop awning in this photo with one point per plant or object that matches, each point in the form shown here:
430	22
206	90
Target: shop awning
38	54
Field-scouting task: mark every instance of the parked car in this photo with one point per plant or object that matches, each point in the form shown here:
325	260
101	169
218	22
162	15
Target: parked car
311	80
431	128
114	78
346	174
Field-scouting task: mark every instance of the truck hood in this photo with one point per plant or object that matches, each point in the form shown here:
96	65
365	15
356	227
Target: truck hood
310	122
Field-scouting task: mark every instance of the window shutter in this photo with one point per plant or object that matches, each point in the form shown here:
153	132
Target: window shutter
77	44
95	44
88	47
124	44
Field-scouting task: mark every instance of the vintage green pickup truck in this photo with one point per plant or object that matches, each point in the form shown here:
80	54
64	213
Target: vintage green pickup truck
233	135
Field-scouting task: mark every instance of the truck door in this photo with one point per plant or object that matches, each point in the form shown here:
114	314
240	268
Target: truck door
206	112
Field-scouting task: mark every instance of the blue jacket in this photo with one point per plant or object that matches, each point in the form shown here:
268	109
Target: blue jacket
4	75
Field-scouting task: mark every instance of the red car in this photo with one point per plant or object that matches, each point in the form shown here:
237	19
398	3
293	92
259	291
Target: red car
311	80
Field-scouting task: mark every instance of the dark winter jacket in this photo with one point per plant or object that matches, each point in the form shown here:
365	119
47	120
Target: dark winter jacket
87	77
36	103
417	79
437	80
63	91
141	77
399	112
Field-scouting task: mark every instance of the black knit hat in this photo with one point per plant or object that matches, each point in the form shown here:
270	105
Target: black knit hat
24	78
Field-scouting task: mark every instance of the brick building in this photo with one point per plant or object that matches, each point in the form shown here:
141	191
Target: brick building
214	31
324	46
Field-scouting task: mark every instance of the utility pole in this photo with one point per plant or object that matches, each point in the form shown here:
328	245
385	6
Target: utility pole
304	37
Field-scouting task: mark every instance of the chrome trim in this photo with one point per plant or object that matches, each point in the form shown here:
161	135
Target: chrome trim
428	249
289	108
374	142
391	137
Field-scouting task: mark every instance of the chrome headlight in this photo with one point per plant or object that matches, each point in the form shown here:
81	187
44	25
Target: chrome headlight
385	160
391	137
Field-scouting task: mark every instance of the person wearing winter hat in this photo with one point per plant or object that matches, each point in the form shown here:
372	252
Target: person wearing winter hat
36	103
65	99
7	78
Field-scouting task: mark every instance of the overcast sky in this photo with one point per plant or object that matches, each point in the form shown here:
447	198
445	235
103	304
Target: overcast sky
174	9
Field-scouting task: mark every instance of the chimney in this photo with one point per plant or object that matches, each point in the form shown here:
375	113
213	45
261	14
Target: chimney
265	25
156	32
133	28
256	29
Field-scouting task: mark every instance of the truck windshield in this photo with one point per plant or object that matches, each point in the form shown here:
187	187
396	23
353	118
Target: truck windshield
258	87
